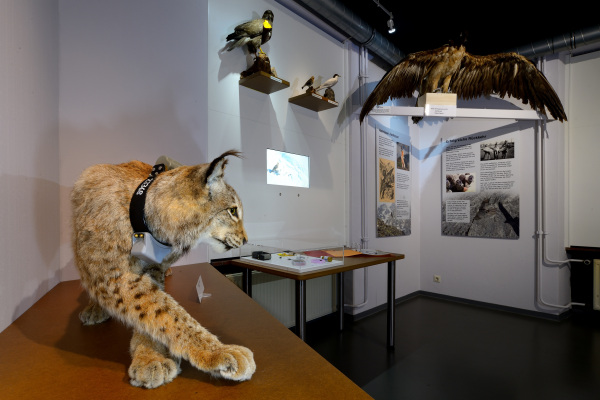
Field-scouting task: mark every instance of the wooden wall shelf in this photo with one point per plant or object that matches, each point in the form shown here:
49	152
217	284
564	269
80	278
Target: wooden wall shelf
263	82
313	101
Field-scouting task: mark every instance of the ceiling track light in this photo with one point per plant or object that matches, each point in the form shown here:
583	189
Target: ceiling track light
390	23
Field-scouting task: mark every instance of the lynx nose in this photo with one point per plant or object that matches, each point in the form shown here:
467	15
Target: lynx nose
244	237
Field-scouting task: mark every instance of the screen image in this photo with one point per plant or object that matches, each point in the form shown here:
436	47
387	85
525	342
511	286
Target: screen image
287	169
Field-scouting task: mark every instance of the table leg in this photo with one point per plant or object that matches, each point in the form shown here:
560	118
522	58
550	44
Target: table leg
301	309
340	299
247	281
391	292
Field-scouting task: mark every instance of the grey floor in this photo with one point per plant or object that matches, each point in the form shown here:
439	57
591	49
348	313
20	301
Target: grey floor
448	350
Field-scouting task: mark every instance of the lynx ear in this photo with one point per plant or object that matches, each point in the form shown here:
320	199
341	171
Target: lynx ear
216	169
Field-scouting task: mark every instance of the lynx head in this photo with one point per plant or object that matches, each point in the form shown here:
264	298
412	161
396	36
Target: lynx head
193	204
226	227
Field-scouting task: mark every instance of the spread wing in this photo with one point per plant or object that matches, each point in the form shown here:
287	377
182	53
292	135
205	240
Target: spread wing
403	79
506	74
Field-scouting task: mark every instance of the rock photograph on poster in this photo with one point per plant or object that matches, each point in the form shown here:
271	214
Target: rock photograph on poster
480	187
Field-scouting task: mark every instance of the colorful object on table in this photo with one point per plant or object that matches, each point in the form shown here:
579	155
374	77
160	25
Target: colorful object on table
284	254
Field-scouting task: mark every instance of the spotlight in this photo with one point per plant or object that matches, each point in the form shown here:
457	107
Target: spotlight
390	25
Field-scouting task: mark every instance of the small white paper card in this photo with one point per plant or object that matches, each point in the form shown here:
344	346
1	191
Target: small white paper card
381	110
435	110
200	290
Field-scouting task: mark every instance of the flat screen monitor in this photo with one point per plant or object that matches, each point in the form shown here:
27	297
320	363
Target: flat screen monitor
287	169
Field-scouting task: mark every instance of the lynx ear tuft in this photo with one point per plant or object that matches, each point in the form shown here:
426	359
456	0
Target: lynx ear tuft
216	169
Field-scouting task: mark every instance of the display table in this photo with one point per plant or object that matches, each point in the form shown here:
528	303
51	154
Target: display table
48	354
300	278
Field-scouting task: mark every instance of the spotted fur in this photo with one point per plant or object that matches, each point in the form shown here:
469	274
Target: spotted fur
184	206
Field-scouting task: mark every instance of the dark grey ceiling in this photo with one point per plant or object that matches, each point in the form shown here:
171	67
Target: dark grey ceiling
492	26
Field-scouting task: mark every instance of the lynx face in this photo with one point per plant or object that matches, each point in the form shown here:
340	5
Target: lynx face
190	205
226	230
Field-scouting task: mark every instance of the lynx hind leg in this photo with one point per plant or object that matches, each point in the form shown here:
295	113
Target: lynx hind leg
93	314
152	365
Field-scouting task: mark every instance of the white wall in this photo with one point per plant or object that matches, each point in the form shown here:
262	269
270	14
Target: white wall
501	272
145	78
133	86
407	270
250	121
495	271
584	141
29	224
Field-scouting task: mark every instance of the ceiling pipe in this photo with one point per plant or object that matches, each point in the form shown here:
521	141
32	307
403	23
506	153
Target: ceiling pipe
566	41
336	14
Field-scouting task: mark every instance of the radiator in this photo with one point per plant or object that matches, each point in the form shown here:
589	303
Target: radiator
276	295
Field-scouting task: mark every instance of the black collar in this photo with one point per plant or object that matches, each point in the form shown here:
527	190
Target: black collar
138	201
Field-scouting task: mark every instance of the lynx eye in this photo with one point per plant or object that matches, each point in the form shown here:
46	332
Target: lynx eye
233	211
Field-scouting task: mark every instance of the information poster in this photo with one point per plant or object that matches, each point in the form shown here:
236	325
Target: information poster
393	183
480	186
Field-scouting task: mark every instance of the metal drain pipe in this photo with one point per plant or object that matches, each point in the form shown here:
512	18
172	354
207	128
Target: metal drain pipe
541	258
363	62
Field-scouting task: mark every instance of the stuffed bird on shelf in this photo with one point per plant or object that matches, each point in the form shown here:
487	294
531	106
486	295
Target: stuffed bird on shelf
252	34
328	83
451	69
309	82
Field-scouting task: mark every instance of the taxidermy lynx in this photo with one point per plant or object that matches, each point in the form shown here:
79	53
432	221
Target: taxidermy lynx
184	206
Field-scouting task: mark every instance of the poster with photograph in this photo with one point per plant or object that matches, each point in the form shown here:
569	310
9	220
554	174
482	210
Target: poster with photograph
393	183
480	186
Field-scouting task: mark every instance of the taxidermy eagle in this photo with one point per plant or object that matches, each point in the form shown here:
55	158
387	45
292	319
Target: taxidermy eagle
469	76
253	33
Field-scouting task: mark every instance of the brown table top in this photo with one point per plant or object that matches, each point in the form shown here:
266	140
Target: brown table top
350	263
48	354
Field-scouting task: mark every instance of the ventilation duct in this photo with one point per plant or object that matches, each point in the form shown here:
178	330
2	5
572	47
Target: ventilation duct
336	14
563	42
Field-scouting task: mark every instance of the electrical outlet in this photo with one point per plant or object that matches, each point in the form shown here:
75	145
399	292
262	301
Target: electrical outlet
437	278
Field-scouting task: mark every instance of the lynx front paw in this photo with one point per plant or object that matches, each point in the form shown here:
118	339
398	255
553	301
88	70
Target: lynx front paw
153	372
232	362
93	314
